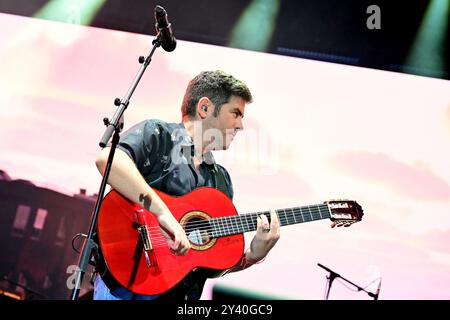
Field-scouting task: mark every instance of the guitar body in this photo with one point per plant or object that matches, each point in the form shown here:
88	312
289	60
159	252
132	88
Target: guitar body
122	247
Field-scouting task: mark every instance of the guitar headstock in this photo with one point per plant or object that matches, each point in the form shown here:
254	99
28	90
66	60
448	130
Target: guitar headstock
345	212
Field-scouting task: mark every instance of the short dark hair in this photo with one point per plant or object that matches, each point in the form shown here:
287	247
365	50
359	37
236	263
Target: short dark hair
218	86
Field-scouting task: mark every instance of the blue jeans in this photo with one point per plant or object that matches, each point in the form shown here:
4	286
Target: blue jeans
102	292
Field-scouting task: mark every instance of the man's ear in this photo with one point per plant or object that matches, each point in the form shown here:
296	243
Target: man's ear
204	107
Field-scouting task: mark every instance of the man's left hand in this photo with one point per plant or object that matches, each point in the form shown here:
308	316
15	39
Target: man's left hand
265	238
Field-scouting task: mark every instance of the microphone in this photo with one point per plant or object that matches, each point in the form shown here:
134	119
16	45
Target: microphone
164	30
329	270
378	291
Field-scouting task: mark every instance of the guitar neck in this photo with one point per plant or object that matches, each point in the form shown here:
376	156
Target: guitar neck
225	226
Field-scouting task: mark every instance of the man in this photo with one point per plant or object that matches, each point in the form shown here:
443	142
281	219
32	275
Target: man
176	159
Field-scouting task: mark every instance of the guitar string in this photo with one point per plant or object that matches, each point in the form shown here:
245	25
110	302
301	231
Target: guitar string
160	239
294	213
204	225
243	218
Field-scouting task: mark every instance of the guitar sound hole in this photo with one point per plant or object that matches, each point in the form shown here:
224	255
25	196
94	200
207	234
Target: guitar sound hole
198	231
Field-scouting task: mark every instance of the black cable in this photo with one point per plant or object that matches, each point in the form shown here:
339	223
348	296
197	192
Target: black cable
73	240
379	278
357	290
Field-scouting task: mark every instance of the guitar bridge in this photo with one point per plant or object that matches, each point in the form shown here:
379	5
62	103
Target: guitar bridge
145	238
146	243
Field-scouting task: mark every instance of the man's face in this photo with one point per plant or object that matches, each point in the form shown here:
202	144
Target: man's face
220	130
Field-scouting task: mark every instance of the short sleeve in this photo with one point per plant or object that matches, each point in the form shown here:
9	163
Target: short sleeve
141	142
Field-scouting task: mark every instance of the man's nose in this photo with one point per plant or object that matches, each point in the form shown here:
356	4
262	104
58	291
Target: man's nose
240	124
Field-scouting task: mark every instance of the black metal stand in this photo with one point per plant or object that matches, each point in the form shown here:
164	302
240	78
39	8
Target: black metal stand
330	278
333	275
114	125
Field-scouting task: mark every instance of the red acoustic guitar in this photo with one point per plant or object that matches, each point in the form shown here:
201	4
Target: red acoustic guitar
137	254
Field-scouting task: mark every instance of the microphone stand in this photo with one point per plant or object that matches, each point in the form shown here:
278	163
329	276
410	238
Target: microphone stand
115	125
333	275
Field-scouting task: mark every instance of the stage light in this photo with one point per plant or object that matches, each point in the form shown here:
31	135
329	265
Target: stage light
70	11
427	54
255	27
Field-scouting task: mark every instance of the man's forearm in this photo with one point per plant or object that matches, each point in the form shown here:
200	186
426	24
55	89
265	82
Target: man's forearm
126	179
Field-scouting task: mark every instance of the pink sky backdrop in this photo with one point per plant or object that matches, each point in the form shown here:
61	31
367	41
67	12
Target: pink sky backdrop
316	131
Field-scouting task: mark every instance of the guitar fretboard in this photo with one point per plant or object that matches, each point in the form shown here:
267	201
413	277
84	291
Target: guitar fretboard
225	226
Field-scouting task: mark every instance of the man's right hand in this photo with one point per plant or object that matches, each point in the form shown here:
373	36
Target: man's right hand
173	232
126	179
